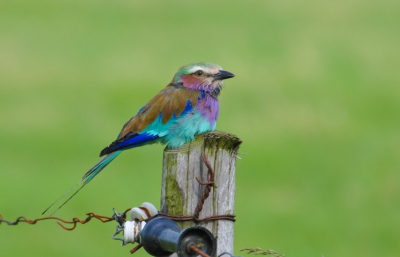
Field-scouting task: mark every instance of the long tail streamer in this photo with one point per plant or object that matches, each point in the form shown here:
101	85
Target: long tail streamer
86	179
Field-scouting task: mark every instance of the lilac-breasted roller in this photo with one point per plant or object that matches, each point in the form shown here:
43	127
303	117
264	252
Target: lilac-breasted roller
188	106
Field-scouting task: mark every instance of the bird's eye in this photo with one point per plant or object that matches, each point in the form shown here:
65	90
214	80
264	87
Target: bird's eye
199	73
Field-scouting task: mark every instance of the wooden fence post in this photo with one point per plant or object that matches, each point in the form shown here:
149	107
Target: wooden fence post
181	192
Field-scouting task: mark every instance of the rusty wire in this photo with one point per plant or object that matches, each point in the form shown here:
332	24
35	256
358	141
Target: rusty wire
136	248
74	221
198	251
207	189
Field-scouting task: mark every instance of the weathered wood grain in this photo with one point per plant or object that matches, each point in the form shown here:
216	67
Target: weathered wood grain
180	191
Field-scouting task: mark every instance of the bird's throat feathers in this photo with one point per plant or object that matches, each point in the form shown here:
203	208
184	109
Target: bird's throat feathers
195	83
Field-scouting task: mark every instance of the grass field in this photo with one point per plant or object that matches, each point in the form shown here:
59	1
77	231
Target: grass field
315	100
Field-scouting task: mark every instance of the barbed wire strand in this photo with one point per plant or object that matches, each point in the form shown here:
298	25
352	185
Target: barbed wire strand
74	220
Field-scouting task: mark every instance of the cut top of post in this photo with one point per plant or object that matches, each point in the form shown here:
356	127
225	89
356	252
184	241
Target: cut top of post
215	139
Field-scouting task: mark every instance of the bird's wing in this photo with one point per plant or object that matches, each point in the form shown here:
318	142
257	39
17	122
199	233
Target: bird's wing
172	102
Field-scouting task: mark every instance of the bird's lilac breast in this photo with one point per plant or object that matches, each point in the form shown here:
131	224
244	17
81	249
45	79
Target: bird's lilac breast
209	108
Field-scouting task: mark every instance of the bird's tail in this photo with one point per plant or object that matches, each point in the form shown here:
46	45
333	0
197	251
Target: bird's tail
86	178
99	167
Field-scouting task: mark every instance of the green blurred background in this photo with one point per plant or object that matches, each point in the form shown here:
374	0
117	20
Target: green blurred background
315	100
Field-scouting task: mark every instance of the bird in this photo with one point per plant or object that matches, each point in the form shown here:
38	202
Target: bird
186	107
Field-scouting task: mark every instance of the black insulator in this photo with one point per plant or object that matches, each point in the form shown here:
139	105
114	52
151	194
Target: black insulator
162	237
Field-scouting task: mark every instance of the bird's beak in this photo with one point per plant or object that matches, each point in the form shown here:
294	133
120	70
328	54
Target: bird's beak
222	74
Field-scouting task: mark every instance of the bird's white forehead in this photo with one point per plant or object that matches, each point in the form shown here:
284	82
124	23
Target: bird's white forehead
207	69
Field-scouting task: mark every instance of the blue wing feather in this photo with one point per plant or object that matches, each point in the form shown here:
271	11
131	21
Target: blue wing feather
129	141
136	140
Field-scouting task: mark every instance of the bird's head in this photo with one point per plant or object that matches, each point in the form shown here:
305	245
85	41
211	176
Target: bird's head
202	76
